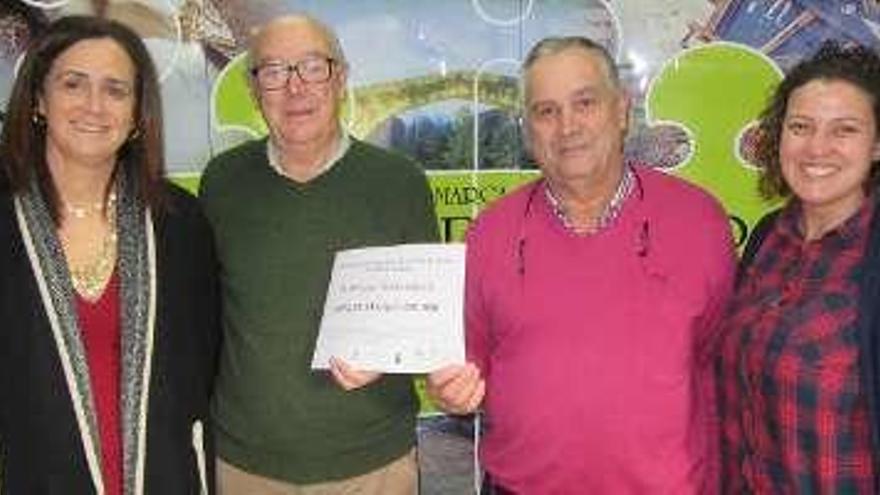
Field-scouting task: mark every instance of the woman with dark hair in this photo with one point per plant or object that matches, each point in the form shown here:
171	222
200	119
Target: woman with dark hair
108	296
799	358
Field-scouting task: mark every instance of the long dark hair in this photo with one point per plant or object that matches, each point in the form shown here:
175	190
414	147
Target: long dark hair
23	141
857	65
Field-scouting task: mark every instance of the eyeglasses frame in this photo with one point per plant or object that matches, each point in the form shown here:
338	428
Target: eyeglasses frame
291	68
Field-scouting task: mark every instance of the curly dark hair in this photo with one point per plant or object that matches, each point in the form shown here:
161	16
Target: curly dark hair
855	64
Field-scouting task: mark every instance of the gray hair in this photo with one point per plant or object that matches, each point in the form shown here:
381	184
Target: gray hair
556	44
326	32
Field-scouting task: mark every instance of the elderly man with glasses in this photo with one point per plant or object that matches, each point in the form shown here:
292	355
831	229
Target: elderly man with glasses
281	207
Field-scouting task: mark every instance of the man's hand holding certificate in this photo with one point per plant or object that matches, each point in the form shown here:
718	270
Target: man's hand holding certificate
394	309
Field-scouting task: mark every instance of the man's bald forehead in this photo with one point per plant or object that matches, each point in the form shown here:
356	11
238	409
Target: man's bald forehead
586	56
294	22
555	45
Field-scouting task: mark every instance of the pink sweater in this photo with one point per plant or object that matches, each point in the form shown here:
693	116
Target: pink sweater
597	350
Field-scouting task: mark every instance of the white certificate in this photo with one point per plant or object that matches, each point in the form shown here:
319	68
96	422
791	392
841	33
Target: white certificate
397	309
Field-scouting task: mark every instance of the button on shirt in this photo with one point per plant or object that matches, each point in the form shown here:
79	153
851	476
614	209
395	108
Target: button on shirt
793	407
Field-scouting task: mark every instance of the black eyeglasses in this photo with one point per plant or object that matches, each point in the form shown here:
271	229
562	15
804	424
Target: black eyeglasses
275	75
642	243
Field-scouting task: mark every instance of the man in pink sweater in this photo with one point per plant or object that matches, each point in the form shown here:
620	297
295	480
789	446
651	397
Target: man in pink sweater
592	297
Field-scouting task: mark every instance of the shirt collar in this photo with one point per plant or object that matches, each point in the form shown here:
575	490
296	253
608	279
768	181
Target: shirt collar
849	231
609	214
274	155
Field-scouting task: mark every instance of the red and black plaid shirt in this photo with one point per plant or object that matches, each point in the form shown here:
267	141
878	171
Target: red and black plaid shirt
793	409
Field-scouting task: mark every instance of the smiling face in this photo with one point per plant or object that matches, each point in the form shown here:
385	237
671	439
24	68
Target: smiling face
299	113
829	140
88	102
576	118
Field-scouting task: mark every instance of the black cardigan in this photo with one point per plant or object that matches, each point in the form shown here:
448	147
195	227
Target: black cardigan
868	319
42	448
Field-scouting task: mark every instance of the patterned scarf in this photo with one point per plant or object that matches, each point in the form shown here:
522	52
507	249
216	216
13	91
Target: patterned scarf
136	268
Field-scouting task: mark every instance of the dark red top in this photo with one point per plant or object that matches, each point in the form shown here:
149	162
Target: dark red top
100	326
793	407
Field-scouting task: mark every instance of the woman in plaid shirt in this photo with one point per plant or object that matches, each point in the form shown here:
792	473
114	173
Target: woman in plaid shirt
798	370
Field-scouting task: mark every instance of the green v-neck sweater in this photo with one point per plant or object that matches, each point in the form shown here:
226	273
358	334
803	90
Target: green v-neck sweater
276	239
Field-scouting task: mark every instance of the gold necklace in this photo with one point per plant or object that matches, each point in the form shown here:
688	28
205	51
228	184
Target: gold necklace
90	278
83	210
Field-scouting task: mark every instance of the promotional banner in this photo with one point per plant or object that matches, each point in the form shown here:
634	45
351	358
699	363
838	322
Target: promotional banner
438	81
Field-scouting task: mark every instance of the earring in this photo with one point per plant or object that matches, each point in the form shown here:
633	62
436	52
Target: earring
135	134
38	120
